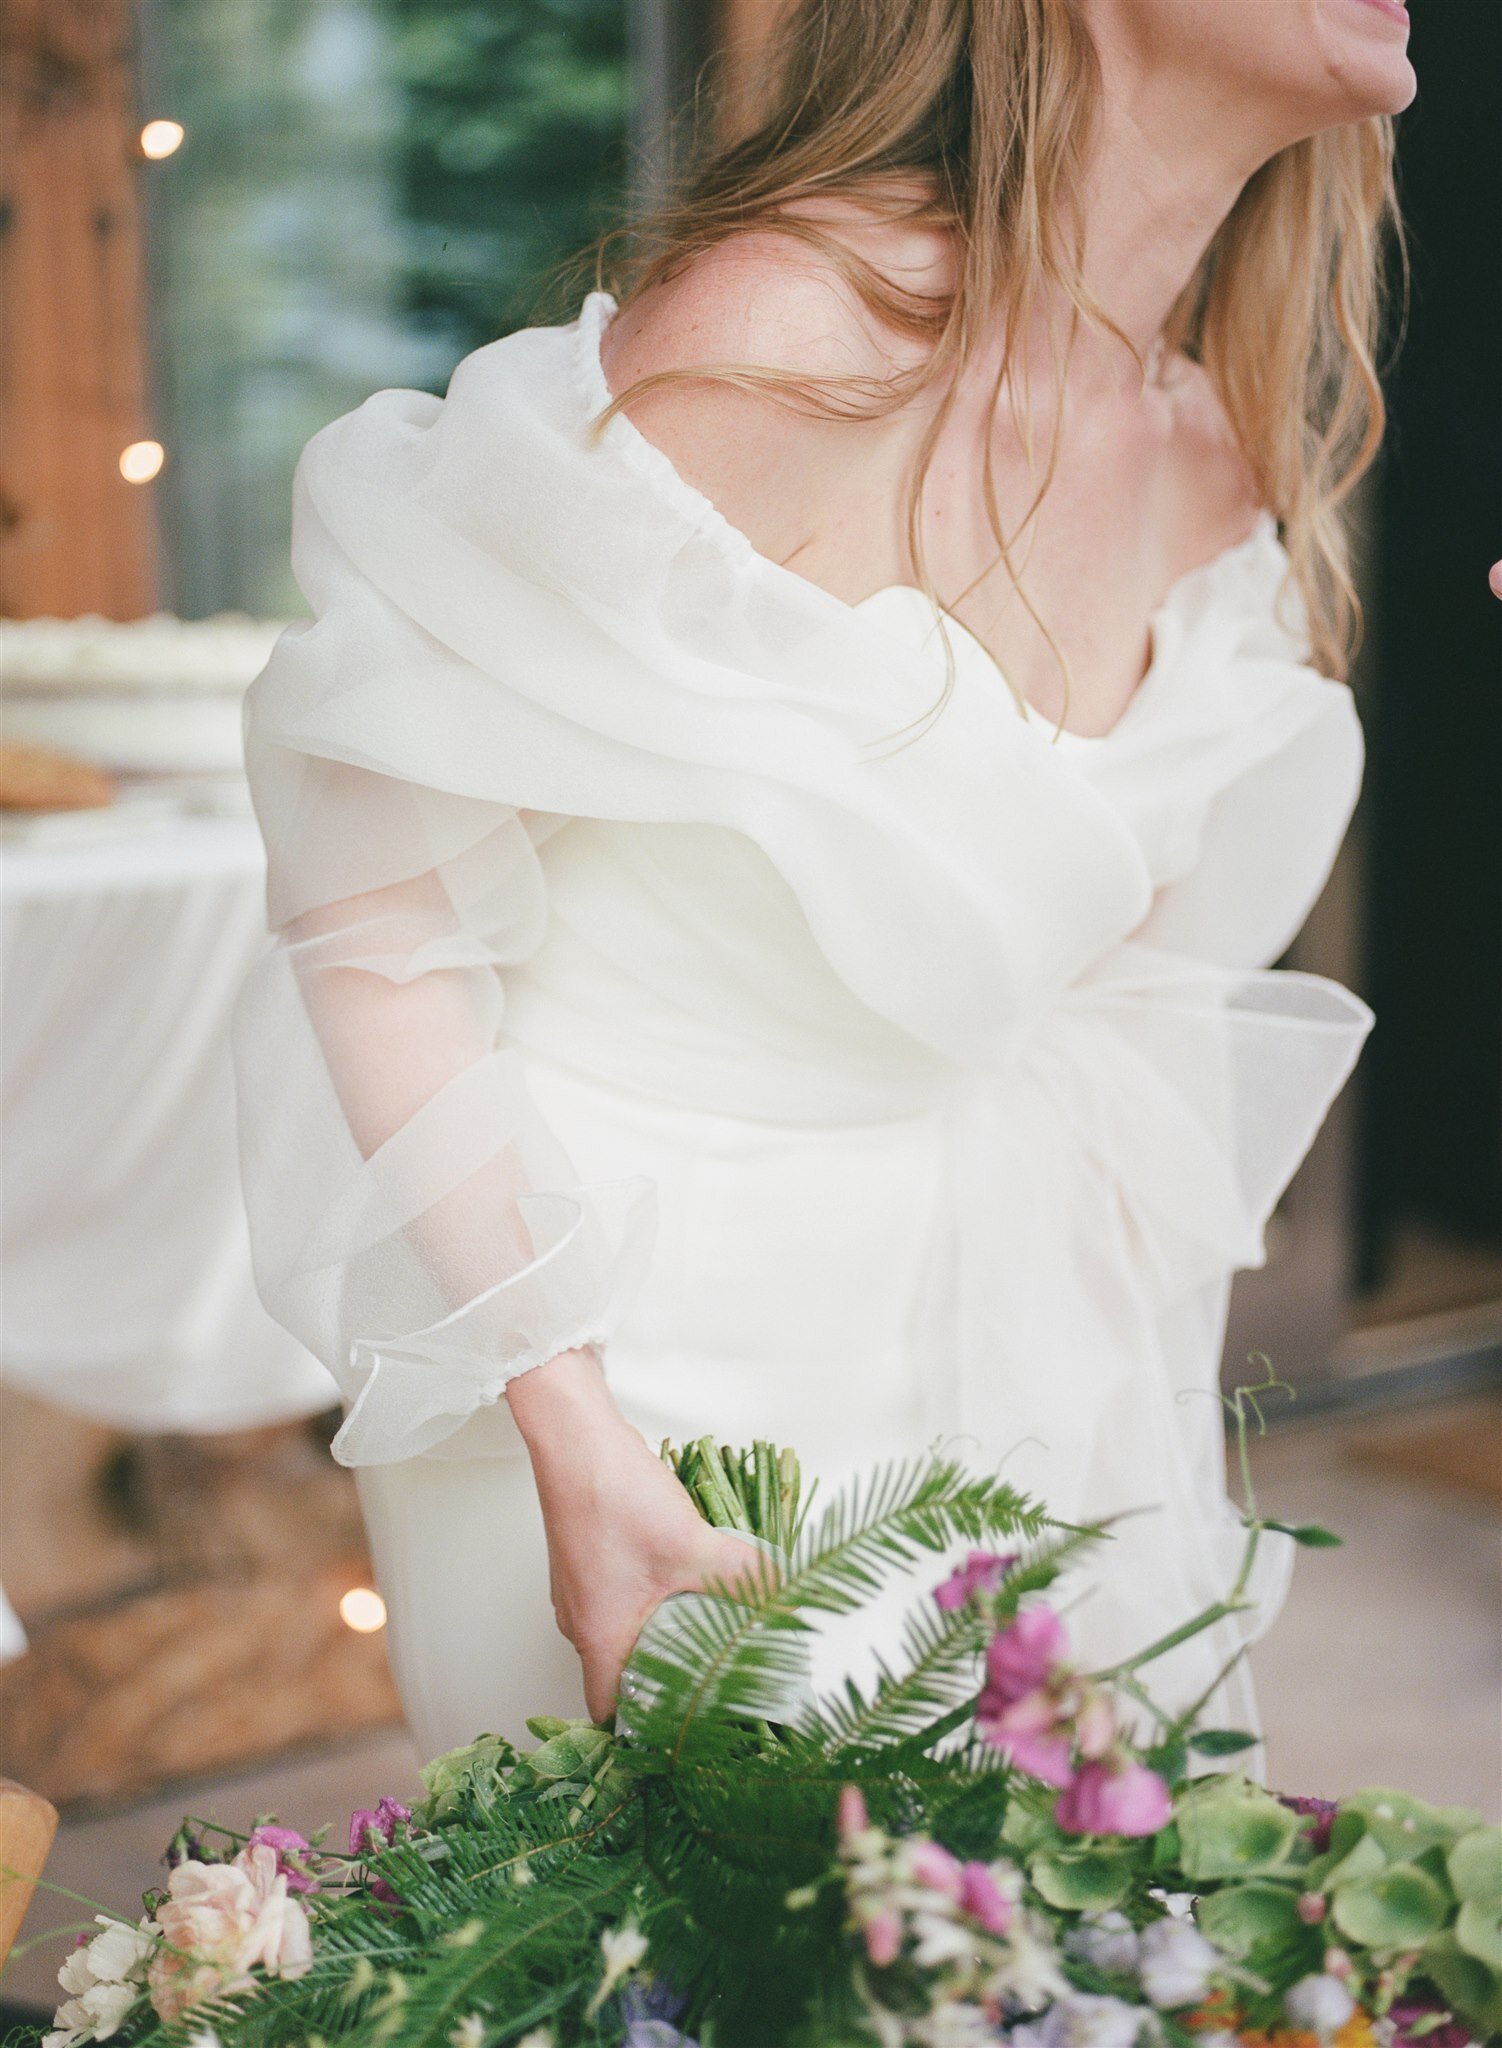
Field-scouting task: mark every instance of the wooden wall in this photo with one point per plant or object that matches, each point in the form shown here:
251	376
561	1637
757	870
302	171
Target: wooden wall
74	536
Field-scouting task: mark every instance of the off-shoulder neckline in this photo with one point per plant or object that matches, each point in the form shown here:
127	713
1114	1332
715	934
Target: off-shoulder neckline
657	467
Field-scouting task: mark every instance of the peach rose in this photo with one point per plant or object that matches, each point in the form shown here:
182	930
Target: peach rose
217	1922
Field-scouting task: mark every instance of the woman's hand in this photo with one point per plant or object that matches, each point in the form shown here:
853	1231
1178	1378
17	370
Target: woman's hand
622	1531
1494	578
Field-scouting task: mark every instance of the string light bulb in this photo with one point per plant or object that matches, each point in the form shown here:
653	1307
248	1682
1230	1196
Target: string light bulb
363	1610
141	461
161	139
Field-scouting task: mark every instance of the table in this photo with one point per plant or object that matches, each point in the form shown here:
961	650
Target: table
128	1289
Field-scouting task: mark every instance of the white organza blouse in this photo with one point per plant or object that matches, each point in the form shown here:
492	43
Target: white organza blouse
563	778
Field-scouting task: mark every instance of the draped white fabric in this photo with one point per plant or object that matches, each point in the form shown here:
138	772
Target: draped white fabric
129	1296
636	984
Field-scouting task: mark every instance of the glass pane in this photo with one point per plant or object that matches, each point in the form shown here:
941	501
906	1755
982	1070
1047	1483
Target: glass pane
368	189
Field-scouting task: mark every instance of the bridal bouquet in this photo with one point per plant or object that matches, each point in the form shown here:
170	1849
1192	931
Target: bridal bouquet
977	1849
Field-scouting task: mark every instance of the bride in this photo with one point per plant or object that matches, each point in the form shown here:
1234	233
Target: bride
782	815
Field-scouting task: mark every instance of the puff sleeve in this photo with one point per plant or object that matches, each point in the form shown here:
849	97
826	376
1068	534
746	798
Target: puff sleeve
414	1221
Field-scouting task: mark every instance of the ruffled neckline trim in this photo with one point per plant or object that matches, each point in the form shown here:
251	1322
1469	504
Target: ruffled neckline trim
1241	580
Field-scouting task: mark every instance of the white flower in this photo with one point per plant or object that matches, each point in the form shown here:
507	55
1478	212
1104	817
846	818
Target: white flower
103	1979
1082	2020
1175	1963
469	2033
120	1954
1107	1941
540	2037
1028	1974
953	2023
205	2037
1321	2004
621	1949
940	1939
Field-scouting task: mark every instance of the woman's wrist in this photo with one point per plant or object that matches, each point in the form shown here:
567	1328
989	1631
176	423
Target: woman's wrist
556	1403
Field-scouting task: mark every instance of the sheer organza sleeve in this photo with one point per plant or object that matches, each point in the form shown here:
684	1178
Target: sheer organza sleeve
414	1221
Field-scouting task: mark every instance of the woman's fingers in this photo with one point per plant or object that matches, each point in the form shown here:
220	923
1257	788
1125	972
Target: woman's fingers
1494	578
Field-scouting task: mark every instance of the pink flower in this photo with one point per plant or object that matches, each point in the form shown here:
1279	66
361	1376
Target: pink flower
982	1572
1031	1734
1313	1907
1095	1724
931	1865
1041	1756
292	1852
1023	1656
851	1817
381	1824
218	1921
883	1937
1114	1799
983	1898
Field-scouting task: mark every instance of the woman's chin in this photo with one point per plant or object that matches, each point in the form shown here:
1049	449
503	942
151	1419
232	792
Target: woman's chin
1366	54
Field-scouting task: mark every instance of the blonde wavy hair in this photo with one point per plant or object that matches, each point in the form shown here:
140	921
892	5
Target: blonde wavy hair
977	117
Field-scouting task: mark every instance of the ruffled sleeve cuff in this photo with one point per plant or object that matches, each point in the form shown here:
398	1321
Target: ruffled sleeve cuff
409	1390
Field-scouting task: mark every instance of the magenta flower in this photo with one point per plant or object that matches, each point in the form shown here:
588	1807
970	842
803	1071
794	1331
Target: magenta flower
1023	1656
1041	1756
1410	2013
932	1866
292	1852
1320	1814
380	1824
983	1898
1114	1799
982	1572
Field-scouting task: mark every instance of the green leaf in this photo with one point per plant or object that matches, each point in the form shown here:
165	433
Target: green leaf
1083	1884
1026	1829
1309	1534
1170	1760
1473	1991
1478	1929
1230	1828
1363	1859
1475	1866
1405	1826
1221	1742
1246	1917
1399	1907
572	1753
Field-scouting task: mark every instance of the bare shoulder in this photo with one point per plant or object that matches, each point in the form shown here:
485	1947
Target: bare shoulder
768	298
1215	500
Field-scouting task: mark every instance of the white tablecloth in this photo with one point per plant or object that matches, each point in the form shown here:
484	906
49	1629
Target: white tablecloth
128	1291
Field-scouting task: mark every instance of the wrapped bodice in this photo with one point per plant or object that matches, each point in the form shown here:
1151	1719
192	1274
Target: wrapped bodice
561	765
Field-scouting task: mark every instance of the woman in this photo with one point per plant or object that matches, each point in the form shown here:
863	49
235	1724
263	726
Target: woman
774	898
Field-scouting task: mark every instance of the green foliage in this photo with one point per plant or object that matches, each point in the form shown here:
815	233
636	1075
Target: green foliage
706	1831
1231	1829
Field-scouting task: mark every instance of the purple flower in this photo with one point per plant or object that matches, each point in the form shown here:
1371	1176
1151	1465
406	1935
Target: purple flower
1114	1799
292	1853
1022	1657
982	1572
650	2011
1406	2013
1321	1816
381	1824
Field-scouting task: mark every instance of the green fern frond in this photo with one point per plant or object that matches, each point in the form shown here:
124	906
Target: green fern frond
740	1654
